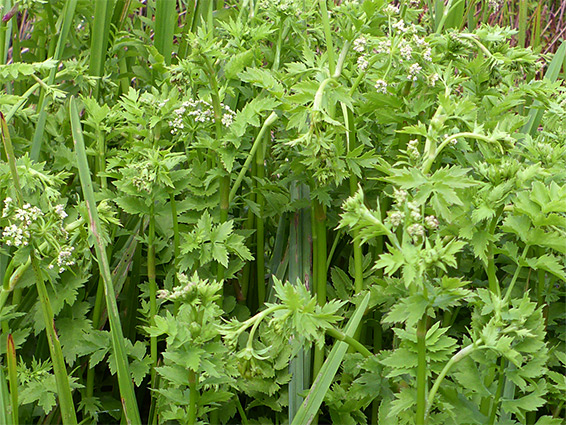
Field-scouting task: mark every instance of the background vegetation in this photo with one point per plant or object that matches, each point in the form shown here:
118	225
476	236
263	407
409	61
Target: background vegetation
284	211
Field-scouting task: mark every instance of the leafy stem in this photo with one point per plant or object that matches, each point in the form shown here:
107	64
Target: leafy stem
464	352
516	274
433	152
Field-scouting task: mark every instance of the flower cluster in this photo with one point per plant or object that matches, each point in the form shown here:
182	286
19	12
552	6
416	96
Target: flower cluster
360	44
363	63
18	234
200	111
381	86
65	258
414	71
412	149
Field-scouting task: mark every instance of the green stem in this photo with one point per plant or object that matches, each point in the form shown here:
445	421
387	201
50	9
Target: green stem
421	371
327	36
61	378
516	274
433	154
152	286
260	234
256	145
241	411
464	352
498	392
193	398
355	344
320	270
175	219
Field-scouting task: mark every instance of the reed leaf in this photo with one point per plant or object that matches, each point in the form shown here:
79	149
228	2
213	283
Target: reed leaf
125	383
313	401
536	112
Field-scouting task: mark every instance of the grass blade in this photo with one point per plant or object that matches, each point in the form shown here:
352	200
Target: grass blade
165	23
324	379
552	73
68	16
13	378
124	381
99	39
4	403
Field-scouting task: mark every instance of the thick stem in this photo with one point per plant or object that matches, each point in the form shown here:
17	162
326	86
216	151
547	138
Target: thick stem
421	371
498	392
193	398
260	236
327	36
320	273
151	277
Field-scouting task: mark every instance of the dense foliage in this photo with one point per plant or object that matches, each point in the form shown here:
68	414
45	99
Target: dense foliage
285	211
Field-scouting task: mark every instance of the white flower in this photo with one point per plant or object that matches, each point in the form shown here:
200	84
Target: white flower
400	195
381	86
60	211
431	221
16	235
406	51
384	46
362	63
412	148
420	41
416	230
7	205
227	120
391	9
360	44
65	258
414	70
396	218
400	26
433	79
427	55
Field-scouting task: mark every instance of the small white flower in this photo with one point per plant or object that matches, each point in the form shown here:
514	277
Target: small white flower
420	41
414	70
431	221
400	195
360	44
427	55
412	148
406	51
396	218
381	86
60	211
384	46
433	79
416	230
400	26
391	10
362	63
227	120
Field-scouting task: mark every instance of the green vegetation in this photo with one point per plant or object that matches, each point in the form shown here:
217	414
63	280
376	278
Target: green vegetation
282	212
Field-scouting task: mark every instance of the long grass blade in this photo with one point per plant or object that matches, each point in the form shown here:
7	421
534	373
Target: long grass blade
13	378
165	22
124	380
312	403
99	39
552	73
68	16
5	417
